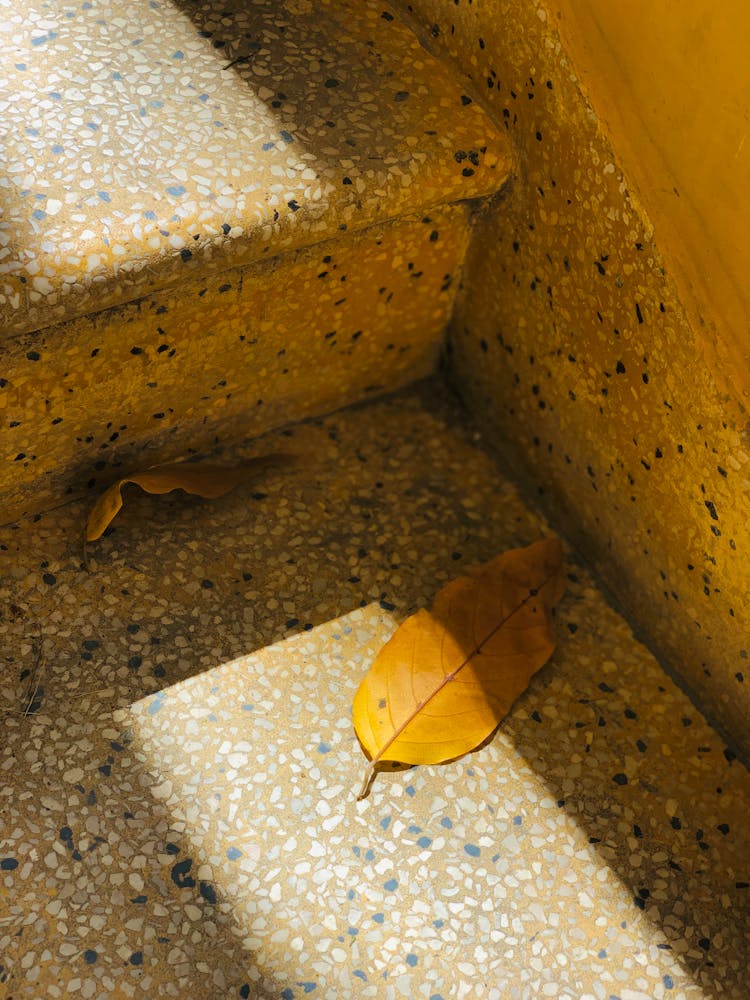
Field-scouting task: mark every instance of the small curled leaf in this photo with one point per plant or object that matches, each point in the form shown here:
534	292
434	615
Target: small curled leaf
200	478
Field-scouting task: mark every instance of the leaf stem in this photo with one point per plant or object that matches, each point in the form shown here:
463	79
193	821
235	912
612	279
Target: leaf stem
365	789
86	564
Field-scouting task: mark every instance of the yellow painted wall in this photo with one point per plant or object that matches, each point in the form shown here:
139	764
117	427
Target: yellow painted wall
575	344
670	82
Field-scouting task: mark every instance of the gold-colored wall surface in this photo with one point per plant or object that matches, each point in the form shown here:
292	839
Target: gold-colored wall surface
671	85
572	344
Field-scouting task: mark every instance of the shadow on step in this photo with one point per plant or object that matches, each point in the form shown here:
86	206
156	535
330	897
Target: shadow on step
388	502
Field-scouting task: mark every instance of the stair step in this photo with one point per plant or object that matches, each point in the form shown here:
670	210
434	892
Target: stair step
225	357
190	139
180	799
193	250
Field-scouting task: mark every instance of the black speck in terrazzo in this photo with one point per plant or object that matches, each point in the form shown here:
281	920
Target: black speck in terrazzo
180	875
638	312
90	956
8	864
186	254
711	509
620	778
293	205
208	892
136	958
50	579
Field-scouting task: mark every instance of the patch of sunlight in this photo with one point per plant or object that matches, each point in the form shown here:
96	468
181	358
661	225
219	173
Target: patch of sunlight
256	765
246	755
156	142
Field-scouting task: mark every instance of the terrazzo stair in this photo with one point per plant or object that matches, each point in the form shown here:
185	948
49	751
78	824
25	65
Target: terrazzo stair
178	813
217	218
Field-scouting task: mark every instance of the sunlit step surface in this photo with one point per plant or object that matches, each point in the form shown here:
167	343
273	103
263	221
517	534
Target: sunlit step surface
179	810
196	137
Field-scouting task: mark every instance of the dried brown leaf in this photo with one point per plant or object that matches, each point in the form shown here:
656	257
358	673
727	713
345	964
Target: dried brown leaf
200	478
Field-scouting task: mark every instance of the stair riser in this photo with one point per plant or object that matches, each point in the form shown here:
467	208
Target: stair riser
235	355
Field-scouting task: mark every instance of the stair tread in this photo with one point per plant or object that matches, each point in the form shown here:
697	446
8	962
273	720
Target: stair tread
136	153
191	743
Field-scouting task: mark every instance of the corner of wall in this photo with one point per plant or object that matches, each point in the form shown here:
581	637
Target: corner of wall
572	346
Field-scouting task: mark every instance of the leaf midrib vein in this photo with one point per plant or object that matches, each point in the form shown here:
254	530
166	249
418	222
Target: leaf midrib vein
533	592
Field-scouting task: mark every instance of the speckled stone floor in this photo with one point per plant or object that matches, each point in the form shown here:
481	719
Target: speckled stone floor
179	185
193	137
179	770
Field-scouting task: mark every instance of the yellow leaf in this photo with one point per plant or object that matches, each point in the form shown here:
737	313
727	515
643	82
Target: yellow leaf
200	478
446	678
